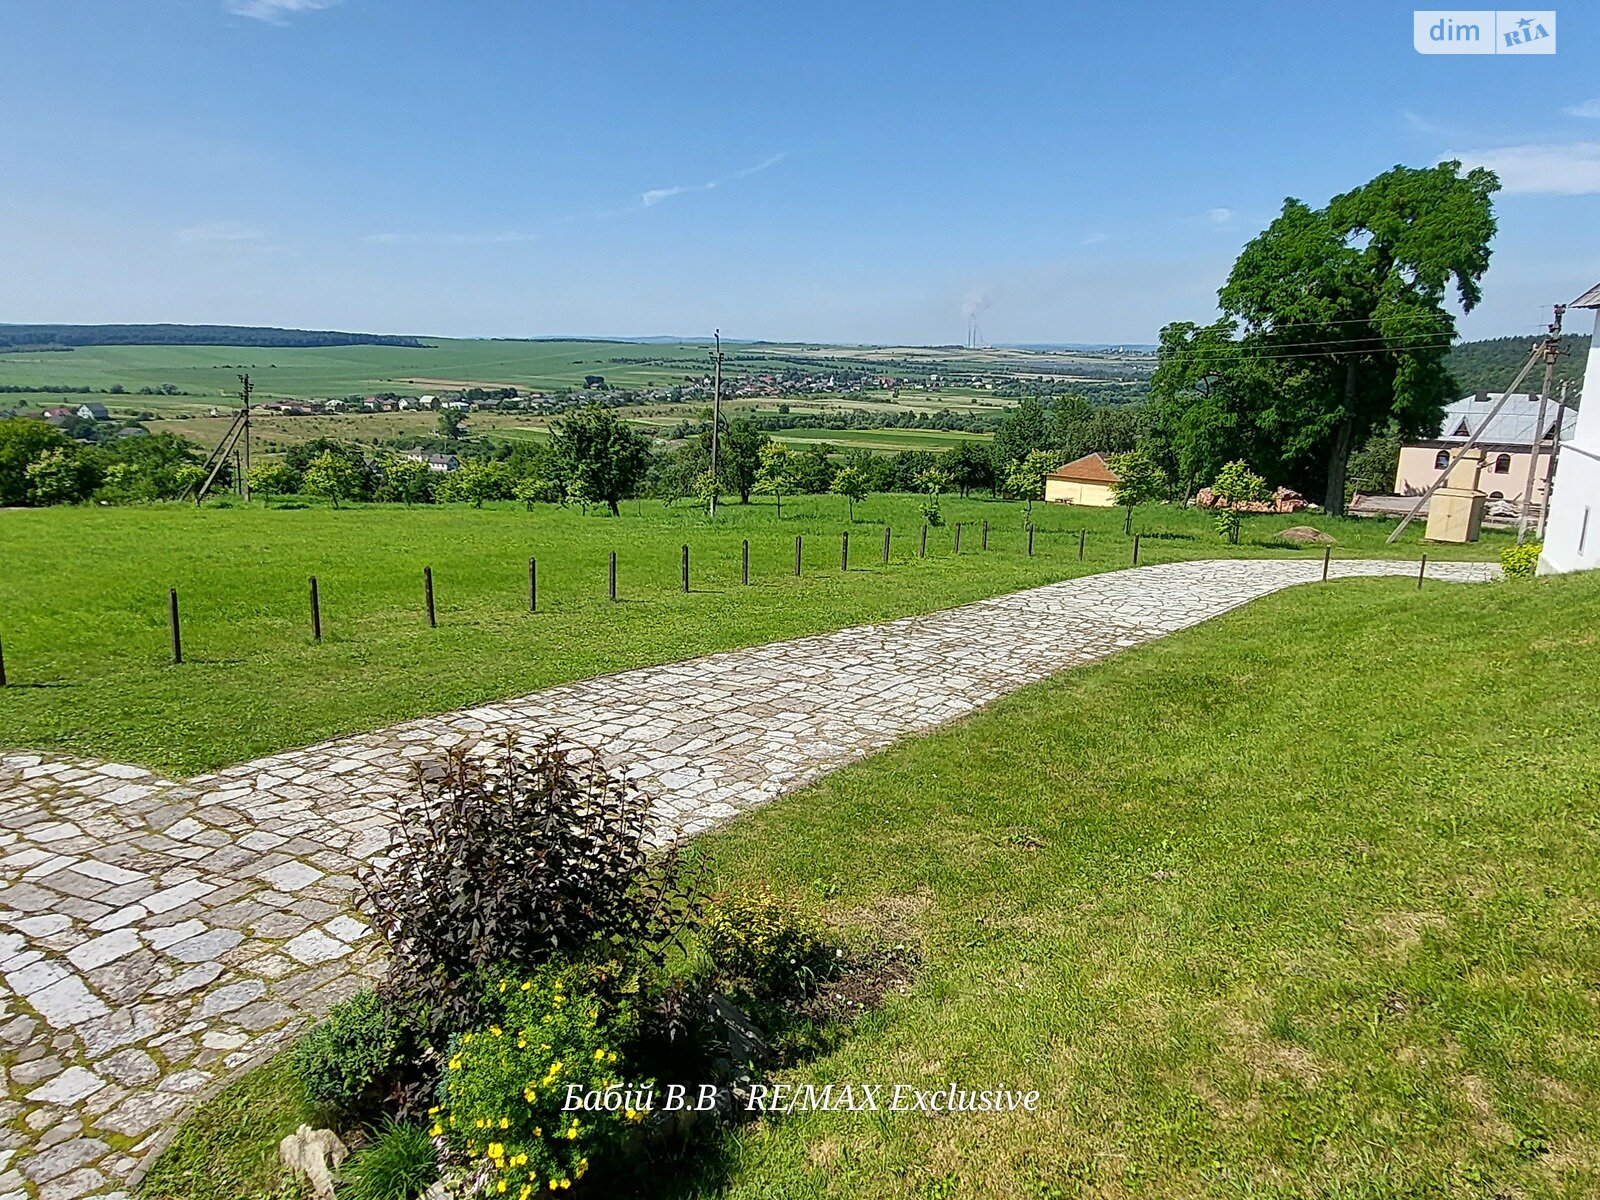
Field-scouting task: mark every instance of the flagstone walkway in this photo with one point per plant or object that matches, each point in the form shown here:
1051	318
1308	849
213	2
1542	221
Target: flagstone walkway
156	936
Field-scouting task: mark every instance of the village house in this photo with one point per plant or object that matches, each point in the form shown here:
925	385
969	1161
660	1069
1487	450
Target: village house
1507	441
93	412
1087	480
443	463
60	415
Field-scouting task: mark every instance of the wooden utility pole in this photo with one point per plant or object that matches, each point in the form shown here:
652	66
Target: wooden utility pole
1553	336
1552	349
716	413
244	396
1555	452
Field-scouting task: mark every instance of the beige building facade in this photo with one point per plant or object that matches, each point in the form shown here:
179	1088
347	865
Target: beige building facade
1087	480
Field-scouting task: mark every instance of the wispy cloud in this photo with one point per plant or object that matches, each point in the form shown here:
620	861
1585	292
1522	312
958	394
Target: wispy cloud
274	12
1421	124
656	195
451	239
220	231
1094	239
1589	109
1219	216
1535	169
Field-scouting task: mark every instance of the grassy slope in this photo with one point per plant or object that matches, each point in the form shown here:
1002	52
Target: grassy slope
83	605
1298	903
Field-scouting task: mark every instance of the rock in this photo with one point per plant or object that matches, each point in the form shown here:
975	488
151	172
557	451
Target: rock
316	1154
1305	535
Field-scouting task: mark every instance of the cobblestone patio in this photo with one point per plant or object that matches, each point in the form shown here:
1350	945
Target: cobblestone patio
157	935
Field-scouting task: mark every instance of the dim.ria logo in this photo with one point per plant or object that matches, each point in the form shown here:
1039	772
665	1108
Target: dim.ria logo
1484	31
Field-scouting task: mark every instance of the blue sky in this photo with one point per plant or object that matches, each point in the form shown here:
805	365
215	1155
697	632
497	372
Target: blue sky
842	172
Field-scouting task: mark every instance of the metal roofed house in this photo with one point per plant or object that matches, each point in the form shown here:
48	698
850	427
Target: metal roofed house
1507	442
1085	480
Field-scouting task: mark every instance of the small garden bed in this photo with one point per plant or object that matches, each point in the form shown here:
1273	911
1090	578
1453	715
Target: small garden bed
566	1006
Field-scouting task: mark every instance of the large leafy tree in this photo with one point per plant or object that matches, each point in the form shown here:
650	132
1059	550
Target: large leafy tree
969	466
739	456
23	441
602	459
1336	323
1021	431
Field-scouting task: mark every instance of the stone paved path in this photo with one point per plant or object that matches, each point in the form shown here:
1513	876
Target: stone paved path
157	935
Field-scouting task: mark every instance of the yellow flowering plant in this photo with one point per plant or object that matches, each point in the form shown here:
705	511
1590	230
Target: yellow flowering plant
765	946
504	1098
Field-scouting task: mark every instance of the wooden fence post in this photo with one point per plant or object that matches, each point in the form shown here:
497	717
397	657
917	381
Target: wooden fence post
1136	549
744	571
533	585
172	616
1083	536
685	567
886	545
427	588
957	550
2	665
985	545
1327	554
1030	539
797	539
923	551
844	551
1421	571
611	576
316	611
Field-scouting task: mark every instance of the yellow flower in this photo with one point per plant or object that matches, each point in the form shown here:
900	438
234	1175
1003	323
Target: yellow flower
525	1192
501	1187
572	1133
527	987
434	1111
538	1132
495	1029
599	1055
496	1149
505	1123
565	1184
455	1063
436	1130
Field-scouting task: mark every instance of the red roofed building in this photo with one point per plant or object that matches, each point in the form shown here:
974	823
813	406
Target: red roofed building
1085	480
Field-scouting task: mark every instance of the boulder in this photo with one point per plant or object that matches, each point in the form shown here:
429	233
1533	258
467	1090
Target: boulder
316	1154
1305	535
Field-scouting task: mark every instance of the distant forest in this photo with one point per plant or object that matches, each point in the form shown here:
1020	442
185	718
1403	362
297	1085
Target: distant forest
1494	362
65	337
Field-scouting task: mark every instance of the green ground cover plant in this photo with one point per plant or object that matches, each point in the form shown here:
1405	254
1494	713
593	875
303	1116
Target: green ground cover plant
83	602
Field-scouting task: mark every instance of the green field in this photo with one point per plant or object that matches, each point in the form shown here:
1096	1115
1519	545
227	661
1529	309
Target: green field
83	603
882	440
1295	904
209	374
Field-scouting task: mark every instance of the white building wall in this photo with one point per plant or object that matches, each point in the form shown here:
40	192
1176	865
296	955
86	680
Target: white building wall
1572	538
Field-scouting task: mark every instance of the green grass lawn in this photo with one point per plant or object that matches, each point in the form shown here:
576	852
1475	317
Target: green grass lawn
1298	903
83	604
